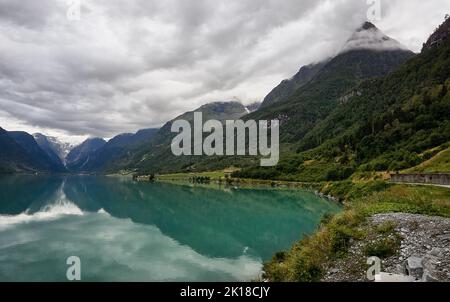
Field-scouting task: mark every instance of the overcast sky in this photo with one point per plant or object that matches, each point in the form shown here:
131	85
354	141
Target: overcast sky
132	64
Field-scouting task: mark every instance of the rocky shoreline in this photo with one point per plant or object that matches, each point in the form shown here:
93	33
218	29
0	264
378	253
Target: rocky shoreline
422	253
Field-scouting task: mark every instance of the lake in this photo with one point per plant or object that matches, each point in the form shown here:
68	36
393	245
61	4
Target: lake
128	231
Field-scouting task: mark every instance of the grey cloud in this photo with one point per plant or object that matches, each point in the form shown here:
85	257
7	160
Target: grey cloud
27	13
136	64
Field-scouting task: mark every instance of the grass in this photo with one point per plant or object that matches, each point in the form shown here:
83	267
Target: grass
439	163
219	177
216	175
309	259
425	200
383	248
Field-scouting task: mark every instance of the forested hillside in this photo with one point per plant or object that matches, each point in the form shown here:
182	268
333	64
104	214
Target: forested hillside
387	125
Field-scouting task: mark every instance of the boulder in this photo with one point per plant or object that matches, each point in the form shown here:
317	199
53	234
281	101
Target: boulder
414	267
430	272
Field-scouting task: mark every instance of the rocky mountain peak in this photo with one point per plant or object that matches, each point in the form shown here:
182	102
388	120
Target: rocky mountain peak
367	26
61	149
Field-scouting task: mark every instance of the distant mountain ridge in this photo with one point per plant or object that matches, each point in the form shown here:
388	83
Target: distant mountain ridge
299	103
53	145
158	156
125	150
79	156
29	144
327	113
103	157
13	158
53	148
19	152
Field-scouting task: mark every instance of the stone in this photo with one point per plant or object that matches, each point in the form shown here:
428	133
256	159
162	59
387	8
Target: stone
401	269
428	277
414	267
445	237
437	252
430	270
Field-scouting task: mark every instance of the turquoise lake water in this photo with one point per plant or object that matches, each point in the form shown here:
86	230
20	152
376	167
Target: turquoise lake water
127	231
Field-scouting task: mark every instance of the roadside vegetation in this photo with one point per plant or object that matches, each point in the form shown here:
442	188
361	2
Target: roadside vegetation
309	259
438	162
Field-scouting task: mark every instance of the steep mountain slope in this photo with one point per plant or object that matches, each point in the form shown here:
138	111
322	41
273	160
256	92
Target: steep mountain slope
158	157
367	54
118	149
79	155
287	87
387	125
13	158
49	149
20	153
253	106
439	37
53	146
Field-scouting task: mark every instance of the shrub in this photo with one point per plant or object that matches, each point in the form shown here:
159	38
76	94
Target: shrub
382	248
387	227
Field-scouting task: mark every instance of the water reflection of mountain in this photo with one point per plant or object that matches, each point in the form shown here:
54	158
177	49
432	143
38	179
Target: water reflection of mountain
20	193
214	223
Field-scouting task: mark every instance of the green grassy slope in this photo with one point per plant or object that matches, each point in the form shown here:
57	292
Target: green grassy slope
439	163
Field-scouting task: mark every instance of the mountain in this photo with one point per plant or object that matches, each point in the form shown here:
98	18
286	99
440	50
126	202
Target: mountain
13	158
389	123
367	54
115	150
287	87
368	36
439	37
300	103
253	107
222	111
31	156
80	154
53	146
156	155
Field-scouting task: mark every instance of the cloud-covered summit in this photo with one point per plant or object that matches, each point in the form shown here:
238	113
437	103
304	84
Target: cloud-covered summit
368	36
